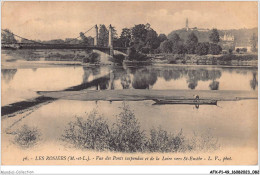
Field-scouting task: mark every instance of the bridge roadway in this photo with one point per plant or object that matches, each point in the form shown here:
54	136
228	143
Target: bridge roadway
60	46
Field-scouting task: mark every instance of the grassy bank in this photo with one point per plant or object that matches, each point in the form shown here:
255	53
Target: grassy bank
227	59
48	54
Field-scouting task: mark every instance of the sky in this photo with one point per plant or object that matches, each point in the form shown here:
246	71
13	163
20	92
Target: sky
54	20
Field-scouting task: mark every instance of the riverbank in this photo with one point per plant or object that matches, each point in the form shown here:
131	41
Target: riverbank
192	59
50	57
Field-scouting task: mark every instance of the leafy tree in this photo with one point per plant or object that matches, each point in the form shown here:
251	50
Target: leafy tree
83	38
202	48
103	35
7	36
214	49
191	43
162	37
166	46
253	42
72	41
177	46
151	40
90	40
214	36
125	37
139	32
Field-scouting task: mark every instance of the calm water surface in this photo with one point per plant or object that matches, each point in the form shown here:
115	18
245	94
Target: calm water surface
231	122
22	84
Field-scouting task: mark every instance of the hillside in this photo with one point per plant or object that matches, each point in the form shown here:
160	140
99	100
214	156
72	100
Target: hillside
242	36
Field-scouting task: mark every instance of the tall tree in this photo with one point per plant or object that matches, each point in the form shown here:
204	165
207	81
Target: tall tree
139	32
177	47
162	37
103	35
202	48
166	46
214	36
7	36
253	42
84	39
191	43
151	40
125	37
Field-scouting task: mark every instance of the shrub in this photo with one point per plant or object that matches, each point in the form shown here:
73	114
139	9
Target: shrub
118	58
92	58
166	46
135	56
92	133
214	49
27	136
161	141
202	49
126	134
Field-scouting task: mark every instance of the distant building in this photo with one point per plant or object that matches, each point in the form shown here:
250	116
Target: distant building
187	28
227	37
227	41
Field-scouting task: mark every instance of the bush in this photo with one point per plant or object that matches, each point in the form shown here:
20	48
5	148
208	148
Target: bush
92	133
161	141
117	59
202	49
92	58
135	56
27	136
214	49
126	134
166	46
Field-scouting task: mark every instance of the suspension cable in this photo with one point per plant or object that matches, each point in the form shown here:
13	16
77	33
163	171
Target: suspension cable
45	43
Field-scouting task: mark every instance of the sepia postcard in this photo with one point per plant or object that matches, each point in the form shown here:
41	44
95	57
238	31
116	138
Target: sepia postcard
129	83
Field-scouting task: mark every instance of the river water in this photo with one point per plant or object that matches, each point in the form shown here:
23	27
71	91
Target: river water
231	123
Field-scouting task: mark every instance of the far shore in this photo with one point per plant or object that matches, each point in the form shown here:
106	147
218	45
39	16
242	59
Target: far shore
12	59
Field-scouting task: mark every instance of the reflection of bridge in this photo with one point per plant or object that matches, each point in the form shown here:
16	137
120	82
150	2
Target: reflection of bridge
38	45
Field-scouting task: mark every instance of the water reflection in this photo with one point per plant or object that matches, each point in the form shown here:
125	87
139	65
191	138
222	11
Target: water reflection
118	77
23	84
214	85
8	74
144	79
254	82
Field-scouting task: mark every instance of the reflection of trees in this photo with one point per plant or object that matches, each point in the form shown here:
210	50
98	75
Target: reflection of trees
34	69
254	82
95	70
144	78
103	85
8	74
87	73
192	84
202	75
125	81
214	85
171	74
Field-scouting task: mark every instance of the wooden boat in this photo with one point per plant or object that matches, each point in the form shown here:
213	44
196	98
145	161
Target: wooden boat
186	101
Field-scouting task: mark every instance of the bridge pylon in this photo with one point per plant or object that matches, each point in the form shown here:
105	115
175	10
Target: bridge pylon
110	40
96	37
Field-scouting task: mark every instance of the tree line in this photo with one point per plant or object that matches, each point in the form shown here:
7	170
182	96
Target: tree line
192	45
142	38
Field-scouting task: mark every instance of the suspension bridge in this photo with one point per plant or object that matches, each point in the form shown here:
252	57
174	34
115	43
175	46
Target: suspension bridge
32	44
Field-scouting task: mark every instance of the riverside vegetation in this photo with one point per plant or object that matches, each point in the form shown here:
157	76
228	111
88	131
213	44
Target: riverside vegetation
126	135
